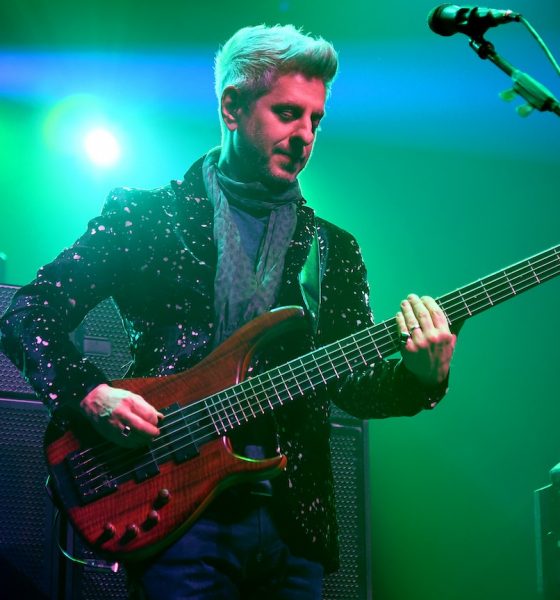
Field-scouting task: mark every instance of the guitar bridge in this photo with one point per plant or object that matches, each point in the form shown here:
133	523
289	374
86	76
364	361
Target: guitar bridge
90	476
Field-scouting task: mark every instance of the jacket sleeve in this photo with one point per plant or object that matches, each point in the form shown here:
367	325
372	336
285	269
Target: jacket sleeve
35	328
385	388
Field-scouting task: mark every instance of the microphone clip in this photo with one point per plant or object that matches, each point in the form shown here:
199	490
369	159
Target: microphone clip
537	96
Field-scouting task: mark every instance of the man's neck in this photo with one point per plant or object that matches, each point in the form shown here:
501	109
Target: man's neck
232	168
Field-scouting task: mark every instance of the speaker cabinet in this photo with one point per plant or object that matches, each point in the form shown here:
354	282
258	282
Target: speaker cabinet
28	532
349	450
547	537
29	551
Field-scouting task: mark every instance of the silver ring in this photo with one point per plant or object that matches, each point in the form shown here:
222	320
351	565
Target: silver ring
405	336
411	329
125	431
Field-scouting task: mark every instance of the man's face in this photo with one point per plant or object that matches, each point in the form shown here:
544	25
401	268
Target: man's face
275	134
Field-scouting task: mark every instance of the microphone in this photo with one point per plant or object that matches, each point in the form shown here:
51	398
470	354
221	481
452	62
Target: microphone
474	21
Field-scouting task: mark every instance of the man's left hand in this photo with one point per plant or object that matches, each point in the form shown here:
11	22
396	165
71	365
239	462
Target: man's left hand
428	343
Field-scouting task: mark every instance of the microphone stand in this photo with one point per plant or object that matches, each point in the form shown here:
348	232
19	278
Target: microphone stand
536	94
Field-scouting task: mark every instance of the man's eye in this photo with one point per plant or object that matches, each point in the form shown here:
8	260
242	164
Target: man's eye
286	115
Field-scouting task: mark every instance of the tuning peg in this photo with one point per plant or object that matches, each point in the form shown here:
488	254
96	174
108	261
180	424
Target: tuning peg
508	95
525	110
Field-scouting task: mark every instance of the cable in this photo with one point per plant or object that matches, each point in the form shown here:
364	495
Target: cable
541	43
93	564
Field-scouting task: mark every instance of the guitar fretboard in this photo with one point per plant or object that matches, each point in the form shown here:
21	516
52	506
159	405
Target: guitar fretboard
221	413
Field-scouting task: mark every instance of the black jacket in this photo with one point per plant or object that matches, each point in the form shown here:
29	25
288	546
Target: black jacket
154	253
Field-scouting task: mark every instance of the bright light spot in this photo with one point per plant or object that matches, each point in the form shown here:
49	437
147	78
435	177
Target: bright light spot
102	147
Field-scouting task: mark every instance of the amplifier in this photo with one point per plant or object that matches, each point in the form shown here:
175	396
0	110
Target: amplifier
547	536
350	451
29	560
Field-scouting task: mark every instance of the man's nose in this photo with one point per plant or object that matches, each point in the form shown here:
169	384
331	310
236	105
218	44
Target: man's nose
304	132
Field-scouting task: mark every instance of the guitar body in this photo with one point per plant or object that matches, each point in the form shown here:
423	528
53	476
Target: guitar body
156	498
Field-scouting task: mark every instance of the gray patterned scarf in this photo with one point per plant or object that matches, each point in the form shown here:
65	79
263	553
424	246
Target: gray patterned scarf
244	290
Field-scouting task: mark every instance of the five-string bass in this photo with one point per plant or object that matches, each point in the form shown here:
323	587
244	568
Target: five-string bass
132	503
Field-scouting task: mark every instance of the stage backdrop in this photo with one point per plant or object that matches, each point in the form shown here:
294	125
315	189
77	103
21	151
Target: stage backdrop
439	179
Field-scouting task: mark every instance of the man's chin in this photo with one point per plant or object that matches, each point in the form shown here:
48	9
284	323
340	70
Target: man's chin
279	180
284	174
278	175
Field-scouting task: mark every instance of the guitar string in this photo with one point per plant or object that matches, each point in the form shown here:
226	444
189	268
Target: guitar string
277	379
483	299
285	383
191	435
344	359
461	301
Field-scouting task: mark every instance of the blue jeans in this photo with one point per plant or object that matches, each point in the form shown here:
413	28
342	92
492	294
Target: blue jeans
232	552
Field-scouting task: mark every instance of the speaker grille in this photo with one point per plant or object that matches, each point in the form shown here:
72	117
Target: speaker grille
89	584
102	339
350	582
11	381
27	536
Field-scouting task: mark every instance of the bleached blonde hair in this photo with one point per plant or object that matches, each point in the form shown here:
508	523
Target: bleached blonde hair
254	57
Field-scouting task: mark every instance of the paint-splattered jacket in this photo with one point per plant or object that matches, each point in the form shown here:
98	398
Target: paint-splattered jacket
154	253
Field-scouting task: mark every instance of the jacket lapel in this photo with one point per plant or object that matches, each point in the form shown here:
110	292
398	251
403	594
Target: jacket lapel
194	225
291	292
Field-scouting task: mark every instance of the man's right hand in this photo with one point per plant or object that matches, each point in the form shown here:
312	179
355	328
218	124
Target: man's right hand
121	416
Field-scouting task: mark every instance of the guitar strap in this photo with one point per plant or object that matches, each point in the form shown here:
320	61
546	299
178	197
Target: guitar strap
310	280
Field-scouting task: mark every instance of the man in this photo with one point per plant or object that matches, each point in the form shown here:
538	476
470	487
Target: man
190	263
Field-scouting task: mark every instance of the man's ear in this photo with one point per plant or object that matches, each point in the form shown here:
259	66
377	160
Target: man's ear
231	107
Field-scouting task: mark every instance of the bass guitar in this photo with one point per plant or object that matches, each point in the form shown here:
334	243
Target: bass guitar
132	503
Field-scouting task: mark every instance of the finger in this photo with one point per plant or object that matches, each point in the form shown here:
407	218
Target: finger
403	329
438	316
408	313
136	413
441	333
145	410
119	432
422	314
140	425
401	323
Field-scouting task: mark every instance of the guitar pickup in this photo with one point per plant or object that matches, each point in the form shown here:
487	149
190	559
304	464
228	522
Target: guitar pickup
177	434
148	468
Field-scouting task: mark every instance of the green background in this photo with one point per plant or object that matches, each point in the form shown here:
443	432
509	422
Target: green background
439	179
